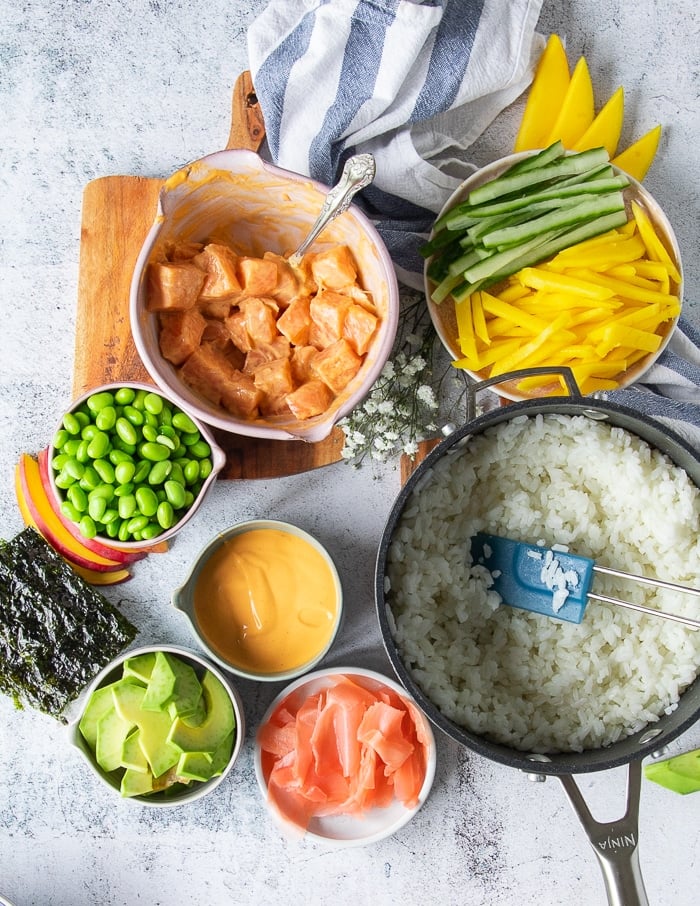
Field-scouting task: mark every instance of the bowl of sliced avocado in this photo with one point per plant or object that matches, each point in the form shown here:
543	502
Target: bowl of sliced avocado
160	725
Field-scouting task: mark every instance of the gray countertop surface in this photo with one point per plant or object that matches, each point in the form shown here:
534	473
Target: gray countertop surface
89	89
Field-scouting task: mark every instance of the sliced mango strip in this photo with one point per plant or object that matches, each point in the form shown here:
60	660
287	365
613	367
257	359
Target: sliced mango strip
638	157
599	320
577	110
546	96
654	246
606	128
538	278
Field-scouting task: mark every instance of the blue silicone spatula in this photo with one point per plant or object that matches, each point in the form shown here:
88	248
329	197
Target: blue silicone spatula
554	582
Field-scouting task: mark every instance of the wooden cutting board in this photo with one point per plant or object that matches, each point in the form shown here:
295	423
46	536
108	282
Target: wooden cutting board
117	213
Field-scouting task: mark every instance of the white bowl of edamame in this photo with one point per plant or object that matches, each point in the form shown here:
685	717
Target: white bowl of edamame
127	467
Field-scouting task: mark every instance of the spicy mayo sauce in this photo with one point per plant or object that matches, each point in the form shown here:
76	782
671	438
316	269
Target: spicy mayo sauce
267	601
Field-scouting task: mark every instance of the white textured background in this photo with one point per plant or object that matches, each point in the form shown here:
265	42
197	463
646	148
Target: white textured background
89	89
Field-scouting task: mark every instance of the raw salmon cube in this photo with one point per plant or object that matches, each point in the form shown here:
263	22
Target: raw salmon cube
337	365
274	378
302	357
210	373
219	264
267	352
306	280
287	281
312	398
180	334
173	285
214	308
236	326
328	310
334	267
215	332
241	397
258	276
295	321
260	319
359	327
183	250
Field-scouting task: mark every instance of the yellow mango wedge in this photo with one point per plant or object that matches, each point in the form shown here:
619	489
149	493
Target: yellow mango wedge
546	96
638	157
606	128
577	110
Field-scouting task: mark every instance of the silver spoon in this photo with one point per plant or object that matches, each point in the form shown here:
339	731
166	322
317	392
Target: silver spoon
358	172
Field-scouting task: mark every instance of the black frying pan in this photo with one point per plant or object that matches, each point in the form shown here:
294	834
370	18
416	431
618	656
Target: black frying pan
615	844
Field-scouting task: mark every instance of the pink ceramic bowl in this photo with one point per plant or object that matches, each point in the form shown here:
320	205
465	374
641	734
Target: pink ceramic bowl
241	200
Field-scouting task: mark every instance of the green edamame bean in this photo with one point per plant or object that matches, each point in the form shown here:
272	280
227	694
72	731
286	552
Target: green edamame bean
126	506
184	423
166	416
191	471
89	431
124	471
189	498
109	515
71	423
90	478
98	401
137	524
129	449
133	415
176	473
106	418
146	501
105	470
83	416
88	527
159	472
124	396
205	469
150	432
175	494
138	402
64	480
112	528
166	441
99	446
154	451
96	508
78	498
74	468
142	470
117	456
60	437
105	491
165	514
153	403
72	446
70	512
125	430
124	534
189	439
152	530
200	450
82	454
121	490
58	462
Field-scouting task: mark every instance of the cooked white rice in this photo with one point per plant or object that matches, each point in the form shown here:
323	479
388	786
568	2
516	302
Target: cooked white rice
526	680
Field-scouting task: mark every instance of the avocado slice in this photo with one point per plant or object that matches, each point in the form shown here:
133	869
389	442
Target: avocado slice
133	757
136	783
154	726
99	703
219	722
140	666
195	766
680	773
112	730
172	682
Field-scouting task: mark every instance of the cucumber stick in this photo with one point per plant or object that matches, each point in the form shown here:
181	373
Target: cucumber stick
540	205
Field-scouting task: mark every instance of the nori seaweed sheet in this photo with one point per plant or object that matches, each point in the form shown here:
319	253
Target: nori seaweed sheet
56	631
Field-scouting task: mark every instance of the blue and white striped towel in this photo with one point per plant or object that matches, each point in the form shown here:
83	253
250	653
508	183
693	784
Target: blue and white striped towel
415	83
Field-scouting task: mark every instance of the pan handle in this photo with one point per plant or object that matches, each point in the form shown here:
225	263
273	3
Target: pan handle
562	370
615	844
